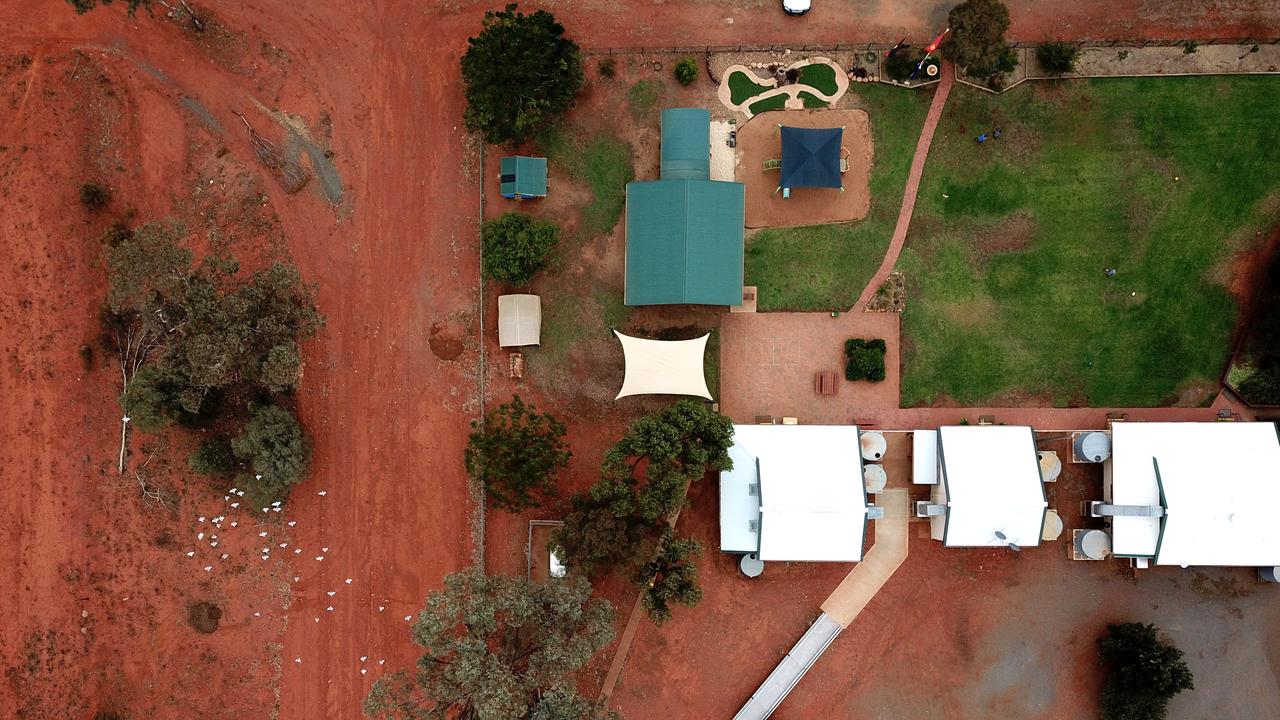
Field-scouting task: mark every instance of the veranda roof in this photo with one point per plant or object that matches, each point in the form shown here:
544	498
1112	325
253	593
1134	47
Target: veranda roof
663	367
811	157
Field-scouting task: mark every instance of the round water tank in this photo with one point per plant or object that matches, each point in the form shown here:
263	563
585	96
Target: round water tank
1094	544
1093	446
874	478
1269	574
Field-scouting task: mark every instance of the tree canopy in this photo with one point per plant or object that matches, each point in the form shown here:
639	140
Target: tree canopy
671	577
1057	57
515	452
277	452
977	41
515	246
519	73
499	648
1144	672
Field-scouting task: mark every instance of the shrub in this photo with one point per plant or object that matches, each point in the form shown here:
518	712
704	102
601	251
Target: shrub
116	233
516	246
671	577
519	72
1057	57
686	71
1190	47
94	196
902	63
977	34
607	67
1144	672
83	6
277	451
515	452
214	457
864	359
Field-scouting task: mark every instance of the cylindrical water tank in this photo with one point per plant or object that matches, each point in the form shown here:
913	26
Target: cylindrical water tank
1093	446
1094	544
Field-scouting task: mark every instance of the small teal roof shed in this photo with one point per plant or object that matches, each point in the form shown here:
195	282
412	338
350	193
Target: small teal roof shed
523	177
685	231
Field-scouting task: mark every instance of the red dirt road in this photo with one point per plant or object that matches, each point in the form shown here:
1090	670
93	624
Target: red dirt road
390	382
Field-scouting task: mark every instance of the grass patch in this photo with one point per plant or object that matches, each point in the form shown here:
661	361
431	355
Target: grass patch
643	97
603	162
821	77
825	267
742	87
773	102
1088	167
811	101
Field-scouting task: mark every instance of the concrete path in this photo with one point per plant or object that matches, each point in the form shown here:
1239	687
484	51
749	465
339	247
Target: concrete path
793	667
913	185
881	561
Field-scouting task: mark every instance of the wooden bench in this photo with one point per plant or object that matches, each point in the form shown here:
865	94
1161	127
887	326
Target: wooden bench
824	383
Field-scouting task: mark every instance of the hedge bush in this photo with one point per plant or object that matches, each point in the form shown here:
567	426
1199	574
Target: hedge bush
516	246
864	359
1057	57
686	71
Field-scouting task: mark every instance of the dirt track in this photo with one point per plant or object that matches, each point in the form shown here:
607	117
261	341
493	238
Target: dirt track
395	267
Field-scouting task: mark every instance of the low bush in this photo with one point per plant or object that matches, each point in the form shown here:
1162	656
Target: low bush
516	246
94	196
864	359
900	65
607	67
1057	57
686	71
214	458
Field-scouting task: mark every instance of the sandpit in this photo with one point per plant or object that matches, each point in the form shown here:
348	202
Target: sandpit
759	140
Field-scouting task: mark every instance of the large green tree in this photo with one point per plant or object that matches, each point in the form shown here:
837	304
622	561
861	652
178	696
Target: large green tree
499	648
519	72
671	577
276	450
1143	672
977	40
515	246
515	451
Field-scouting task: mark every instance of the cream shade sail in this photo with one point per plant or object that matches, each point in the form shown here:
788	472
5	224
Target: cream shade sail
519	320
663	367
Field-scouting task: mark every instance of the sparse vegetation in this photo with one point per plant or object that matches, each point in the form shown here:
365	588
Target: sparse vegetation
83	6
604	163
607	67
499	648
1143	673
519	73
94	196
1255	374
642	98
516	246
515	451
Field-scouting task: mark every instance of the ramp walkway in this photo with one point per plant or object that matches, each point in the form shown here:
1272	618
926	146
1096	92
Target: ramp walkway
840	608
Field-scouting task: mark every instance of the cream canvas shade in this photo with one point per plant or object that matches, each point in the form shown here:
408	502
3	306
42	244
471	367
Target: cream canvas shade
663	367
519	320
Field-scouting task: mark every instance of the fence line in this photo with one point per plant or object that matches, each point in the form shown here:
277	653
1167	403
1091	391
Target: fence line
879	46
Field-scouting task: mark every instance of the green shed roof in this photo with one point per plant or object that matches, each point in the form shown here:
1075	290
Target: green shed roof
523	176
684	242
686	144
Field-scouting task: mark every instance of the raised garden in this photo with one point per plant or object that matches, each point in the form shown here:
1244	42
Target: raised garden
864	359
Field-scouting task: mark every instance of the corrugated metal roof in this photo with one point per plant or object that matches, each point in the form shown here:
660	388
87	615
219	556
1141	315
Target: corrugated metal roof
686	144
523	176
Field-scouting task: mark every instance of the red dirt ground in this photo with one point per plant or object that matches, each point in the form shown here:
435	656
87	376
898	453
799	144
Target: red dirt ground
395	266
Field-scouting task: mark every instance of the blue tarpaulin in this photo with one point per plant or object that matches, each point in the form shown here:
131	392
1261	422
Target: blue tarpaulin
811	157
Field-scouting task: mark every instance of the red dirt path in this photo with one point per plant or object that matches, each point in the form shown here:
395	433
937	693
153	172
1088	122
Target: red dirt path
394	261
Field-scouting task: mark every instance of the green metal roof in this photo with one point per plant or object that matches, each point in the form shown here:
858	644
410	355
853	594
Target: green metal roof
686	144
684	242
523	176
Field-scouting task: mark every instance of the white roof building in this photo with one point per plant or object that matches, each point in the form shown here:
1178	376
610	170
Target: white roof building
795	493
1217	482
663	367
990	483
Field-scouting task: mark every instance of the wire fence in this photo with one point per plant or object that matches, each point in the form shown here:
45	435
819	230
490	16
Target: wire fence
879	46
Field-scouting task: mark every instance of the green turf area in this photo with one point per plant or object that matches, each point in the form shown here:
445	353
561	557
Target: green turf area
1006	256
743	87
601	161
642	97
825	267
774	102
821	77
812	101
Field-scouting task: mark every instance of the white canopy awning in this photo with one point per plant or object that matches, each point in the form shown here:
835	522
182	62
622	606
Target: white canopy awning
519	320
663	367
1219	483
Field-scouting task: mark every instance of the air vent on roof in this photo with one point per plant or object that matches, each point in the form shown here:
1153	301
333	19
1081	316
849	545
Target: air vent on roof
753	489
753	525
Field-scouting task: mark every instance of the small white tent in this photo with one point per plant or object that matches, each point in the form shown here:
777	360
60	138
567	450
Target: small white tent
519	320
663	367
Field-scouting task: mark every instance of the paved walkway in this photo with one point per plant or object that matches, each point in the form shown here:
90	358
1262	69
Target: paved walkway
803	655
881	561
913	185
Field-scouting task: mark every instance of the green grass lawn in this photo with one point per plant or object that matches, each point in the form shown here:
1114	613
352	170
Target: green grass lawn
821	77
603	162
773	102
643	97
825	267
811	101
1006	256
743	87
